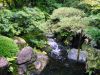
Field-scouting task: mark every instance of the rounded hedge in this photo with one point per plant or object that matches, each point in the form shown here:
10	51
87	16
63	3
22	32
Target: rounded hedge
64	12
8	48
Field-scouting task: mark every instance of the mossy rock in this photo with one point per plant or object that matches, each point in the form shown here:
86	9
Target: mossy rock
8	48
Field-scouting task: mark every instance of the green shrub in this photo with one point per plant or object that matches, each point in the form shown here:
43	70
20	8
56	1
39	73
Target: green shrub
48	4
70	3
93	61
66	18
95	20
37	40
94	34
20	22
7	47
64	12
72	23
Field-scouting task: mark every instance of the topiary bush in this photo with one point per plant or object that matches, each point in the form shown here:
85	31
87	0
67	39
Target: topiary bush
66	17
64	12
7	47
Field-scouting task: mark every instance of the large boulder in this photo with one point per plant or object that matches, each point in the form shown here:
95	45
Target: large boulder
25	55
73	53
25	58
30	62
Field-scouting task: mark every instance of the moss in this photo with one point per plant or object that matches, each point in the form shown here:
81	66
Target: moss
7	47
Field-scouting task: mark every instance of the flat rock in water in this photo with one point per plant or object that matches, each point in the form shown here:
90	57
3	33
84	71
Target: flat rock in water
3	62
72	55
25	55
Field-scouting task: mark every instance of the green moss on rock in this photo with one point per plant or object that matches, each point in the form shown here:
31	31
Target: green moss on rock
7	47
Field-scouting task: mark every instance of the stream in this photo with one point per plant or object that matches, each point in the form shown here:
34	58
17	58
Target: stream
64	62
58	52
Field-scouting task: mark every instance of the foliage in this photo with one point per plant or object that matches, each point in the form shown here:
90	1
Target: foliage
70	3
20	22
94	3
7	47
13	66
95	20
42	4
94	34
37	40
73	23
66	18
64	12
93	60
29	22
48	4
89	6
65	22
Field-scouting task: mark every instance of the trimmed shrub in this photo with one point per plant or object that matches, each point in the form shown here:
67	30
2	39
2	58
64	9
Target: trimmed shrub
64	12
65	17
7	47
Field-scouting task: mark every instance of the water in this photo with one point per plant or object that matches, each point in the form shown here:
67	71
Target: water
58	51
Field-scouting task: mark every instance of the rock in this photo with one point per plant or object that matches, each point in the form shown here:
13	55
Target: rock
4	66
20	42
72	55
41	62
37	65
26	55
29	62
22	69
3	62
25	60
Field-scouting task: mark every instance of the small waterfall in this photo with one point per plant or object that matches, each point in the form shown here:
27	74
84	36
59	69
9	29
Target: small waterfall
58	51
